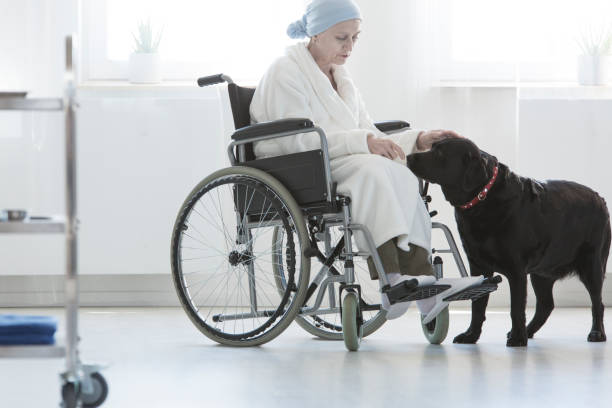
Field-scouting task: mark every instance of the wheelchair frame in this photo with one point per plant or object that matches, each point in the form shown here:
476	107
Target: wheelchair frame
319	225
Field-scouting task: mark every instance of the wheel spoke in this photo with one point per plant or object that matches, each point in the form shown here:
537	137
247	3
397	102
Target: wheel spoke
218	272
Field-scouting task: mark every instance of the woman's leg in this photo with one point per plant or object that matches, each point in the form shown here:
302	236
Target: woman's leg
396	263
396	260
388	253
414	263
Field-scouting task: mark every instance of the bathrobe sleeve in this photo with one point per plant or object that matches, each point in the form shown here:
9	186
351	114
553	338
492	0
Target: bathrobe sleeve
282	95
405	139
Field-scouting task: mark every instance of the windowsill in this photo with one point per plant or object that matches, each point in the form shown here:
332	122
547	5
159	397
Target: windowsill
166	84
537	90
164	89
123	85
511	84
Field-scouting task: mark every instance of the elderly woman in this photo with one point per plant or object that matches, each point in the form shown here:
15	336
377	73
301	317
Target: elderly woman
310	81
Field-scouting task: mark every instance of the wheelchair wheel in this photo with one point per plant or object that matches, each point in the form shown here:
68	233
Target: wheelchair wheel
222	260
435	331
329	325
352	330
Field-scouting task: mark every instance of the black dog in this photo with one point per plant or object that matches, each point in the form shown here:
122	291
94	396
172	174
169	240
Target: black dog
518	226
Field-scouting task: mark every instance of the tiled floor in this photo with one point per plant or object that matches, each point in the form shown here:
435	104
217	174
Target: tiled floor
158	359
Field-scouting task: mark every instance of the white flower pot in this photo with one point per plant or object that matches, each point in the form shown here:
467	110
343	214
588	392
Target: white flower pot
593	69
144	68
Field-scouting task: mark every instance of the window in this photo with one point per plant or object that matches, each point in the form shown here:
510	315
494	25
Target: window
200	37
519	40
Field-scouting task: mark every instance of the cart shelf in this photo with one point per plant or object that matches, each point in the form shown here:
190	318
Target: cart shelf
35	104
33	351
41	225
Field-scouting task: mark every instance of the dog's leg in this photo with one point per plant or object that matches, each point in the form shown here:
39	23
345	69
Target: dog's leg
592	275
479	307
543	288
518	301
472	334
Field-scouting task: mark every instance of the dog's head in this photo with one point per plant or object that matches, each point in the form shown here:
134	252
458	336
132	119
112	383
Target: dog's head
457	165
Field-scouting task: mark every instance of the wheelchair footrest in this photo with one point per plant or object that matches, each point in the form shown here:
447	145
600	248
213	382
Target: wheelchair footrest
423	292
409	290
474	292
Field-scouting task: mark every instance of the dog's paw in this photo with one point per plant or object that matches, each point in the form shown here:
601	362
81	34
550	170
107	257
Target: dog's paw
596	336
517	341
530	332
467	337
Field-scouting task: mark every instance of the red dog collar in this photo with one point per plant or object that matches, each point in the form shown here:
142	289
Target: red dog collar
483	193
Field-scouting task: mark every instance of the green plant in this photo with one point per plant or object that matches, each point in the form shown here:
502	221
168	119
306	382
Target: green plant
147	40
596	42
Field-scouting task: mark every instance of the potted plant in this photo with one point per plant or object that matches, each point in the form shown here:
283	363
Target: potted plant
594	62
144	64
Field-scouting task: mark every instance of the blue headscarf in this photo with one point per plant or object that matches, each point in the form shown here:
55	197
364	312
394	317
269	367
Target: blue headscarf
322	14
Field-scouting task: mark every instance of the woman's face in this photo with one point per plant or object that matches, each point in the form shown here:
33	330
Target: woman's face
335	44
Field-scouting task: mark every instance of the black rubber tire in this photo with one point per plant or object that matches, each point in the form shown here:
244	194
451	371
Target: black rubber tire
69	395
268	186
99	394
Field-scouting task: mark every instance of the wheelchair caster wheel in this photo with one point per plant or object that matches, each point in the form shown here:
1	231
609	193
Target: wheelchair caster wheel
435	331
98	392
352	330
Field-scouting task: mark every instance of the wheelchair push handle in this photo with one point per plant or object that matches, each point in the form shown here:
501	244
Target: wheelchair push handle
214	79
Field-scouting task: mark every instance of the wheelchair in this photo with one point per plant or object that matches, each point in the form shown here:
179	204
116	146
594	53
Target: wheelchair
247	237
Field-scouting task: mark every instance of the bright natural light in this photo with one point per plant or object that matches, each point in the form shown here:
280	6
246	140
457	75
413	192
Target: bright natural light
210	33
523	30
481	39
538	38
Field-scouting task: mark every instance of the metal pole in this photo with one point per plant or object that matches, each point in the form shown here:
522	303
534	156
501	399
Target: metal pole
349	271
71	289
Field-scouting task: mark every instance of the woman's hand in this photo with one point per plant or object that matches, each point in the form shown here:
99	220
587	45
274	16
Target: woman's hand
385	148
427	138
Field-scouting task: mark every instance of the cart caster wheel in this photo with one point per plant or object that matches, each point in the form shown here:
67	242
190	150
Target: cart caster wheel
435	331
98	393
69	395
352	331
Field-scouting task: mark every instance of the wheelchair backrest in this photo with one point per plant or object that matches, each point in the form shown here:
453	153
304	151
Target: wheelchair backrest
302	173
240	101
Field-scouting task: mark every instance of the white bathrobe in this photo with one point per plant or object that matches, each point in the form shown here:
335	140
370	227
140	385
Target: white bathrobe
385	195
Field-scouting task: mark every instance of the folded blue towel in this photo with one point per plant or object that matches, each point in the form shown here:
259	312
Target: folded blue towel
19	339
27	325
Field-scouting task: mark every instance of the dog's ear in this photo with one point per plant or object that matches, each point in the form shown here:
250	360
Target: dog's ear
475	173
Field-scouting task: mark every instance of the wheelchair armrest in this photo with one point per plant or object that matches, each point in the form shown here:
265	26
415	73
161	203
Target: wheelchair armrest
391	125
268	128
